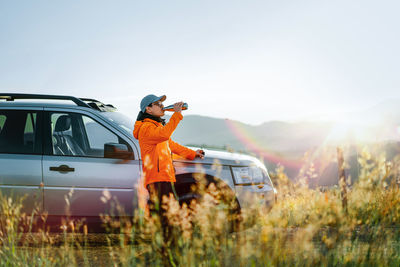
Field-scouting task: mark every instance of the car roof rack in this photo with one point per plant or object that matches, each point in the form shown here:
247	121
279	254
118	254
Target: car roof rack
96	104
12	97
82	102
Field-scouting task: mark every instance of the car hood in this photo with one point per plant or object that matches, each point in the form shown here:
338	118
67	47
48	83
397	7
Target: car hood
222	157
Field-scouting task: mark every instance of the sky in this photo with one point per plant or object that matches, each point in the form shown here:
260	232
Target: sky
251	61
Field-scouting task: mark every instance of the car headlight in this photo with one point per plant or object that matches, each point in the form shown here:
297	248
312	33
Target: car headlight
250	175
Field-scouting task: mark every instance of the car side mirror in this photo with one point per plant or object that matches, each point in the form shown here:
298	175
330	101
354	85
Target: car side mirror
117	151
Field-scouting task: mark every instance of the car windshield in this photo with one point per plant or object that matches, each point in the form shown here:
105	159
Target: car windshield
121	120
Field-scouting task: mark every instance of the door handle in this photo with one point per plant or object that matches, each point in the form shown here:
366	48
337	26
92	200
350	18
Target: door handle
62	168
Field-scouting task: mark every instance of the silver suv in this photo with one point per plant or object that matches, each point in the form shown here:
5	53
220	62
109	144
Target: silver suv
65	154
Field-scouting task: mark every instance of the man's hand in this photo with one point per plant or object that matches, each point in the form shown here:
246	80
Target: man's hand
200	154
178	106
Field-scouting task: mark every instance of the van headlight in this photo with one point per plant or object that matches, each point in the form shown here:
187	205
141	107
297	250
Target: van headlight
250	175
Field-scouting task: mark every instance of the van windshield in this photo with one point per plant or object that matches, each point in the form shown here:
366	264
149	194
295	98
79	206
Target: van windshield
121	120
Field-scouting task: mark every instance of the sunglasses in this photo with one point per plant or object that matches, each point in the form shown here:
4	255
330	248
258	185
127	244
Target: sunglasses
157	103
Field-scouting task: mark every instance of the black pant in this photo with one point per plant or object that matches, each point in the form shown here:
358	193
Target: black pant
157	191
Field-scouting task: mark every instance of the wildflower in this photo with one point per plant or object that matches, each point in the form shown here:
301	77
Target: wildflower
106	196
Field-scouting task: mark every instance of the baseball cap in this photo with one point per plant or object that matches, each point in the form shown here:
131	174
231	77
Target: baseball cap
147	100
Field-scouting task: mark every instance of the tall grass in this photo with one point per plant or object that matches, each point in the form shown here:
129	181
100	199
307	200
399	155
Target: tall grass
306	227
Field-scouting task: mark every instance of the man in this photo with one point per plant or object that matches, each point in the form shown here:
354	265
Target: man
156	147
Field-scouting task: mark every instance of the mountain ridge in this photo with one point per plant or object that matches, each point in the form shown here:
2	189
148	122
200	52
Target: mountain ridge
286	143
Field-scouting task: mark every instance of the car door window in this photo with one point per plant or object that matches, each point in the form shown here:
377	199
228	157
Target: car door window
97	134
19	132
78	135
2	121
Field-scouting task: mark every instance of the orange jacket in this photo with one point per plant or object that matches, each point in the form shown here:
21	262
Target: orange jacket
157	147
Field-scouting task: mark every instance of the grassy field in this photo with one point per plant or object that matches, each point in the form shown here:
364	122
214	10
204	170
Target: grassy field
347	225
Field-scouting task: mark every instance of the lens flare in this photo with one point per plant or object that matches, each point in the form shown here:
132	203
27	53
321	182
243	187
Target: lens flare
254	145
